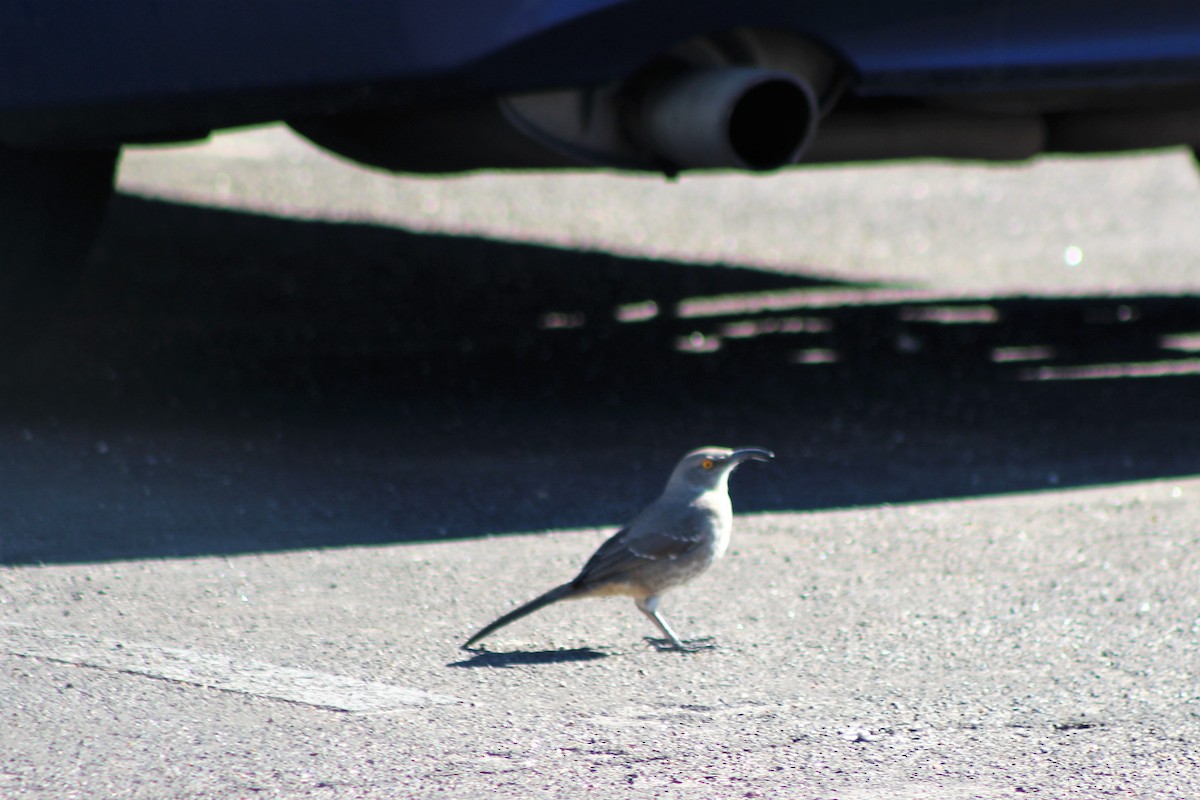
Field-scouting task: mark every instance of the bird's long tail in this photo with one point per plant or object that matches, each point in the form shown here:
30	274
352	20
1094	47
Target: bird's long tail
552	596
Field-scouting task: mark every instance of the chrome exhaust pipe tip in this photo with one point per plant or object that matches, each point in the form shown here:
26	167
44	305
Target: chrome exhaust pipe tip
729	118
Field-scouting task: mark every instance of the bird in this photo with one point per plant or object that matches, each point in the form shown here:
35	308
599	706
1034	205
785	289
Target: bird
674	539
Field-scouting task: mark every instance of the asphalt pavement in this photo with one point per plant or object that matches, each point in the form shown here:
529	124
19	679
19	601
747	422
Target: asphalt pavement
303	428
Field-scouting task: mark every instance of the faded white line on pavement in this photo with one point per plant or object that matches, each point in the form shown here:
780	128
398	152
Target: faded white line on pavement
319	689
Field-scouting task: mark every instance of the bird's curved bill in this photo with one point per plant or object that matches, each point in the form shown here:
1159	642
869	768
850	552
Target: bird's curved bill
751	454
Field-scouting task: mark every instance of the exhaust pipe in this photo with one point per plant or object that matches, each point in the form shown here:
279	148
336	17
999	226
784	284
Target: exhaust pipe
728	118
747	100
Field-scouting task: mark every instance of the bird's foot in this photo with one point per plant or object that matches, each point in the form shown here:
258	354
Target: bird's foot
688	646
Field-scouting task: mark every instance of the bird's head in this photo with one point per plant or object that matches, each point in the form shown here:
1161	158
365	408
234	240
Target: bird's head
708	468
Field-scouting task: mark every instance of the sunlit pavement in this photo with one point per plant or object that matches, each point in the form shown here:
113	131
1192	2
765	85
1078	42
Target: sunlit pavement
302	428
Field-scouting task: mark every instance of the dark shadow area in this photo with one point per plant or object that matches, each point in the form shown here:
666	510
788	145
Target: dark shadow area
225	382
526	658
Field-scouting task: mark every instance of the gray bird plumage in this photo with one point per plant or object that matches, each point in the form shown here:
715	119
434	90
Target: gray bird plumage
673	540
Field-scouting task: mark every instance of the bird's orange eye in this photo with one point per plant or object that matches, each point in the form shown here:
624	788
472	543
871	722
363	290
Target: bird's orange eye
707	463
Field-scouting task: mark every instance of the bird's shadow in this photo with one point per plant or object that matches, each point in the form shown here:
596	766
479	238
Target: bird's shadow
515	658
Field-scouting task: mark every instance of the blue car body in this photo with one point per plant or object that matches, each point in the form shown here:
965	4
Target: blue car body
101	72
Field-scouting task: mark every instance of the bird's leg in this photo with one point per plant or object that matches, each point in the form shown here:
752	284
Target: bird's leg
649	607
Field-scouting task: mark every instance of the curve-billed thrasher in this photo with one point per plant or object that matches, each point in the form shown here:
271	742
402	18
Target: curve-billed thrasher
673	540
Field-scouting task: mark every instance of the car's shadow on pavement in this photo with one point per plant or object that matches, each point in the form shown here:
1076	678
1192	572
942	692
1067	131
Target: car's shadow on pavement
226	382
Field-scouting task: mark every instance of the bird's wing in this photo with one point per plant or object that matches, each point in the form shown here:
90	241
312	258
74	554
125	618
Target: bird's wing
650	537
